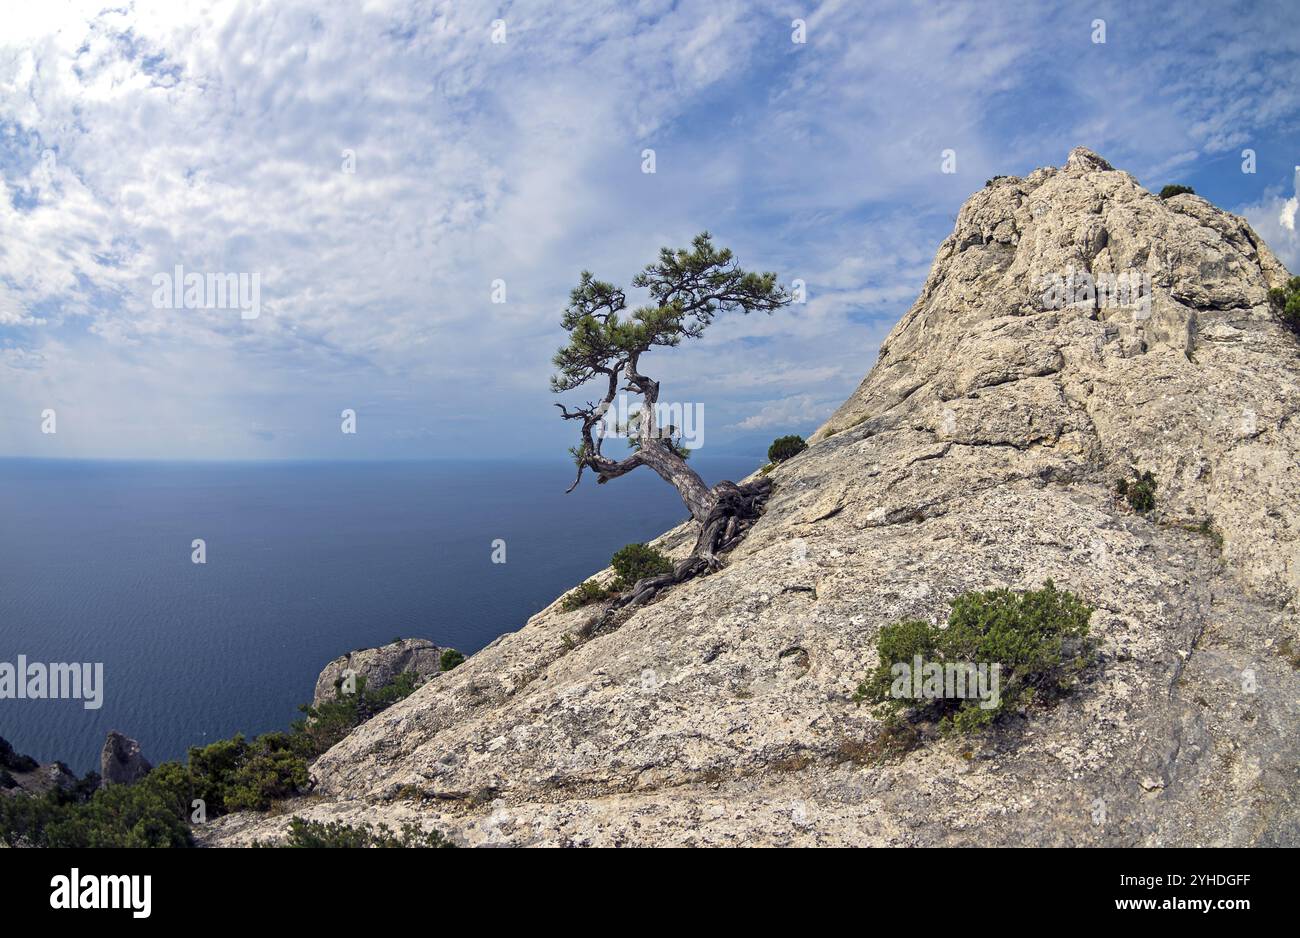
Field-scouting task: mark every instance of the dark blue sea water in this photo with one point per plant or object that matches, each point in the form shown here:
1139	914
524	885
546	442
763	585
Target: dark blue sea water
305	561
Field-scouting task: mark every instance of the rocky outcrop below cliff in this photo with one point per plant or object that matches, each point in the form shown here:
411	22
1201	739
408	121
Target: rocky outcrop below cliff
121	762
23	775
982	450
380	666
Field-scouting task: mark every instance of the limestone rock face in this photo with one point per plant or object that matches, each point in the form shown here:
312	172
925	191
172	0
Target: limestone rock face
1199	388
380	666
981	451
121	762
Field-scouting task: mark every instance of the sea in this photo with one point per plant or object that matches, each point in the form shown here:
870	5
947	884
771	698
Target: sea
303	562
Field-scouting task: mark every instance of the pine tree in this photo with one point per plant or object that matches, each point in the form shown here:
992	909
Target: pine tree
687	289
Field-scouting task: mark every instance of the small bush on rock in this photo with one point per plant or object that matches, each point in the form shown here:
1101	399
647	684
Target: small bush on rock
328	722
785	447
586	594
450	659
1168	192
1140	493
638	561
1039	640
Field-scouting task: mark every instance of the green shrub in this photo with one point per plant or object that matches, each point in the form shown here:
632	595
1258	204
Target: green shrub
331	720
149	813
1168	192
1140	493
327	723
638	561
173	783
211	769
586	594
228	775
273	767
450	658
1285	301
784	447
237	775
1038	638
139	815
401	687
23	819
335	834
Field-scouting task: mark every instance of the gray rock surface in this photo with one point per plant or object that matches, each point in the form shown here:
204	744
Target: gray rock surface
380	666
981	451
121	762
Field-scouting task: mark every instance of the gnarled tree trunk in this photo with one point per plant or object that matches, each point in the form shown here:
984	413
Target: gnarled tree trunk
672	468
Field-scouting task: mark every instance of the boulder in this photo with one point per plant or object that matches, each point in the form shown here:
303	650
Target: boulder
121	762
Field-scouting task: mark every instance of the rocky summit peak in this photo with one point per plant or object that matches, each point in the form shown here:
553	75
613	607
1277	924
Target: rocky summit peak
1084	160
1073	330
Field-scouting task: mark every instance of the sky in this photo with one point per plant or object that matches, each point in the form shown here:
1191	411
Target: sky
385	171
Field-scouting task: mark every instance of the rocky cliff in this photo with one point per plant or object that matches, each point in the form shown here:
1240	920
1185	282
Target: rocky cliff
981	451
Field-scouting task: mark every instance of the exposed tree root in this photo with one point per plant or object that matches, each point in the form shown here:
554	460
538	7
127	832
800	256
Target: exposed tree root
736	509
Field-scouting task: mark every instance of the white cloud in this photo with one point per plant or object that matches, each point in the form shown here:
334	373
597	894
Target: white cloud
1286	217
798	411
20	359
12	312
1273	217
213	135
214	139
